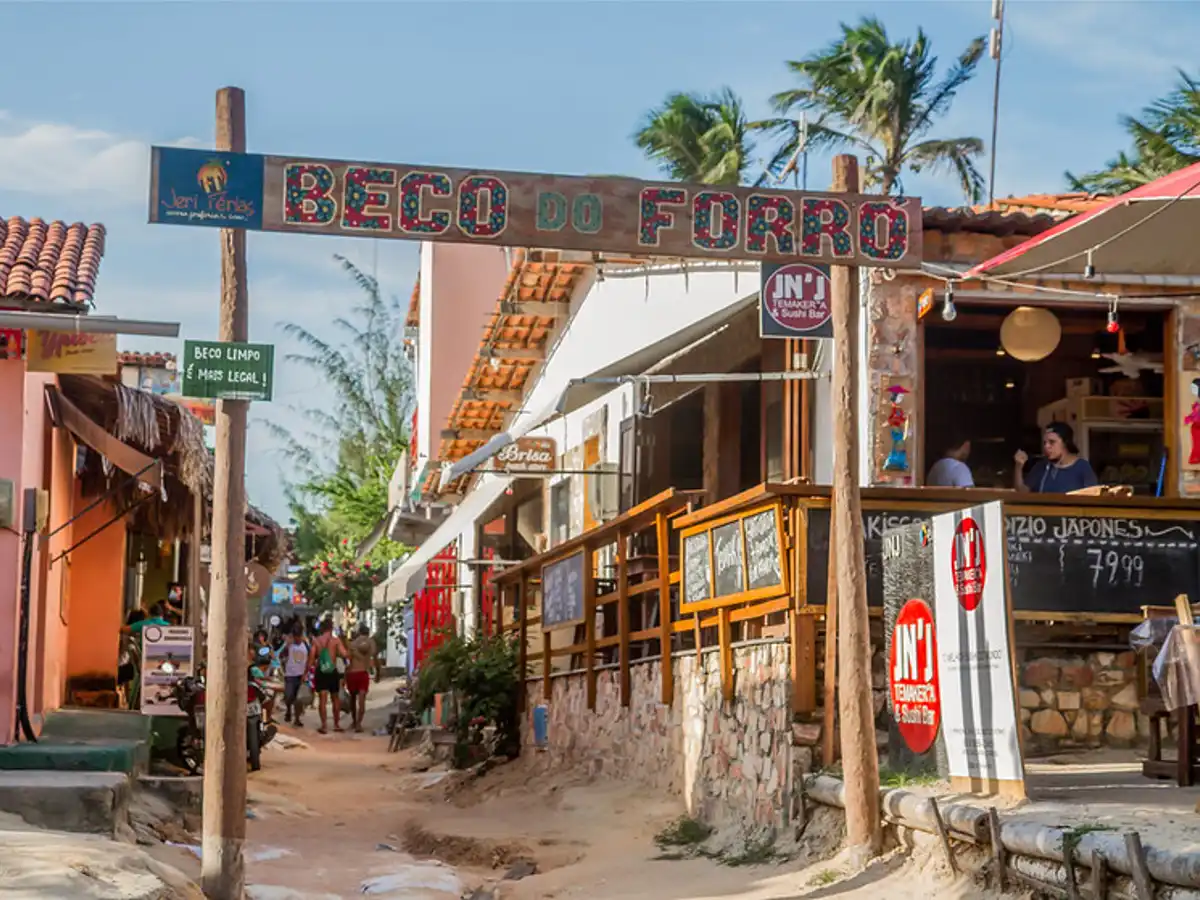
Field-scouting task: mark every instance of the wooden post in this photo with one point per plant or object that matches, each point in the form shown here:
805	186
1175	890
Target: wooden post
803	627
860	760
547	645
829	743
195	603
223	873
623	618
522	636
725	654
663	537
589	625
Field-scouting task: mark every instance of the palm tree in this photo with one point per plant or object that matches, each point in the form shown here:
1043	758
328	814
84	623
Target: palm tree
1165	140
882	98
346	457
698	138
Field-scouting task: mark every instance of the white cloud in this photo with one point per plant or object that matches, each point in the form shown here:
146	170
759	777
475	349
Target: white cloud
55	159
1116	41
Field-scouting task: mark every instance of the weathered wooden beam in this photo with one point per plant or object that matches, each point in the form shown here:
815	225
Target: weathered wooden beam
623	617
589	624
468	434
662	536
534	308
533	354
496	395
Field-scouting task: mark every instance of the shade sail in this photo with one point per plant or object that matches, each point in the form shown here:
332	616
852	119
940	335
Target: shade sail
410	576
581	391
1147	231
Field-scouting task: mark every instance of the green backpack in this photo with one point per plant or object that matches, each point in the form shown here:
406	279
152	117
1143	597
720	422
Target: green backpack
325	663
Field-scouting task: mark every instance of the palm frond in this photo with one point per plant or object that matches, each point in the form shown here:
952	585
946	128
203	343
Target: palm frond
955	155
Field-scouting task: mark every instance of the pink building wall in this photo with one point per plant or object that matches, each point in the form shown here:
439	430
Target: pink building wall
12	425
460	285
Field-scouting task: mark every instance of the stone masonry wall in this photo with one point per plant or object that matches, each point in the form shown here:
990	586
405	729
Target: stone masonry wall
731	763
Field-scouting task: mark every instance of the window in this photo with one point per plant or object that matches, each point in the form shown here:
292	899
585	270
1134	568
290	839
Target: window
560	511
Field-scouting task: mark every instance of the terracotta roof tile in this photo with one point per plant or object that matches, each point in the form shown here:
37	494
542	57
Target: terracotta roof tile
1061	205
50	262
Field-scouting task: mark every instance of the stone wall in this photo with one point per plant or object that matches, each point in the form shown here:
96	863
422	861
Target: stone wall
1080	700
732	763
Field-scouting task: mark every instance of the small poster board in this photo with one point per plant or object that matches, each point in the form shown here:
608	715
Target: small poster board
734	559
975	664
168	654
562	591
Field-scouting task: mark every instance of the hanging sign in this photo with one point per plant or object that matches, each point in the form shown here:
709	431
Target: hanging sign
228	371
67	353
167	657
556	212
528	456
794	301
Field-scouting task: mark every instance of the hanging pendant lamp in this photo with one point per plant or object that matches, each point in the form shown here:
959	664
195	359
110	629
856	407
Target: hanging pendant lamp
1030	333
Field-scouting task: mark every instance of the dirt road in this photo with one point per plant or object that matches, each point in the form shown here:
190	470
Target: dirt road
337	817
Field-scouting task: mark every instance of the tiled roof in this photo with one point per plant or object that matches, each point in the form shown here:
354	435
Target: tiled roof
1061	205
993	222
49	262
149	360
511	352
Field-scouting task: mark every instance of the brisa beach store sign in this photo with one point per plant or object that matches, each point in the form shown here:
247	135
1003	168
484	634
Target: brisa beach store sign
557	212
527	456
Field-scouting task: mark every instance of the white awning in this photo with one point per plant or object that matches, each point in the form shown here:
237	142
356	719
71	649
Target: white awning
410	576
579	392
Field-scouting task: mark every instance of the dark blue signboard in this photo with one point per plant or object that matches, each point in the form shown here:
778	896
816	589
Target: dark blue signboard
206	187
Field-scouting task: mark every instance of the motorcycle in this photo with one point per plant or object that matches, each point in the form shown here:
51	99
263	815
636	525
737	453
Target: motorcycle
189	694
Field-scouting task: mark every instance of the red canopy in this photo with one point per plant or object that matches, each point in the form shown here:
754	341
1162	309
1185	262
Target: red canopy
1152	230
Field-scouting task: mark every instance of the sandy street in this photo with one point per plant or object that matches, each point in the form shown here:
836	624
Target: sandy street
337	817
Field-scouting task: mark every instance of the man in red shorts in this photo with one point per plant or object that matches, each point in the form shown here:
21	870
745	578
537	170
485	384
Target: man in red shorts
364	659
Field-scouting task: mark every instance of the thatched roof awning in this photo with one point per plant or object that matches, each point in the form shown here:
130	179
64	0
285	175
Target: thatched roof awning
127	427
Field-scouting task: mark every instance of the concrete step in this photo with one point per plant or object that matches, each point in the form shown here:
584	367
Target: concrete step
63	755
77	723
88	802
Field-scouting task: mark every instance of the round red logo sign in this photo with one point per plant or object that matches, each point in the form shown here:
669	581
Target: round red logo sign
797	297
968	564
913	678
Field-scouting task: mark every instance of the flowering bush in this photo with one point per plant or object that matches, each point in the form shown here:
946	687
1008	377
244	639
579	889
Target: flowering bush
336	580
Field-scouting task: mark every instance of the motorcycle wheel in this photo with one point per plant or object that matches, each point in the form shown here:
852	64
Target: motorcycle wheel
253	745
190	750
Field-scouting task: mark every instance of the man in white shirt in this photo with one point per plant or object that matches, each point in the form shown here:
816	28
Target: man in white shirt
952	469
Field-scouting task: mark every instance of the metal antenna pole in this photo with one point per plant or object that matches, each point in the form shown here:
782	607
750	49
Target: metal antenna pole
995	46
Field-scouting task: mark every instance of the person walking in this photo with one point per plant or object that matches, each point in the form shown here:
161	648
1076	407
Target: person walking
364	659
327	649
295	670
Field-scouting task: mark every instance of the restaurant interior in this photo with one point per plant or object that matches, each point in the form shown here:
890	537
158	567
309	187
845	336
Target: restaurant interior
997	375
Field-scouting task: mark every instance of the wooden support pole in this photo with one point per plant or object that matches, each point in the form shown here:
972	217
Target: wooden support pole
829	743
943	835
195	603
589	625
623	617
662	535
725	656
860	759
1137	863
546	647
223	872
1099	876
999	860
522	635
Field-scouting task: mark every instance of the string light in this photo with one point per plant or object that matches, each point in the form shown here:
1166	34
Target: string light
1114	324
1089	269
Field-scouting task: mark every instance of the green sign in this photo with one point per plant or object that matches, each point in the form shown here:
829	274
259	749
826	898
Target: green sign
227	371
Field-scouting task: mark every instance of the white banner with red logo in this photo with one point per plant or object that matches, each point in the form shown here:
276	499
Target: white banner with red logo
975	673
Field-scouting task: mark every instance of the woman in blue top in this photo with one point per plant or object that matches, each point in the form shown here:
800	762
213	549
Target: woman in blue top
1060	471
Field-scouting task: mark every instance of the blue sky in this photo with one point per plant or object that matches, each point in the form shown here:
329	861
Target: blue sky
554	87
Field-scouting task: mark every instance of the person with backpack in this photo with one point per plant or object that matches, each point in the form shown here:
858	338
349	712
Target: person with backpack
327	651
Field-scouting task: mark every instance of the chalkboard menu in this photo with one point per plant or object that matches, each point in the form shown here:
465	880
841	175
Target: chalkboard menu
730	562
697	569
763	559
1068	563
562	591
739	557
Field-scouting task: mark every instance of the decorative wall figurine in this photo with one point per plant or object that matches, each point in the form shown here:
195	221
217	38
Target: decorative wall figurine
897	421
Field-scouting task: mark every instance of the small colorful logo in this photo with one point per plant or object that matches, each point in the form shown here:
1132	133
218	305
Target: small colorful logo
212	177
